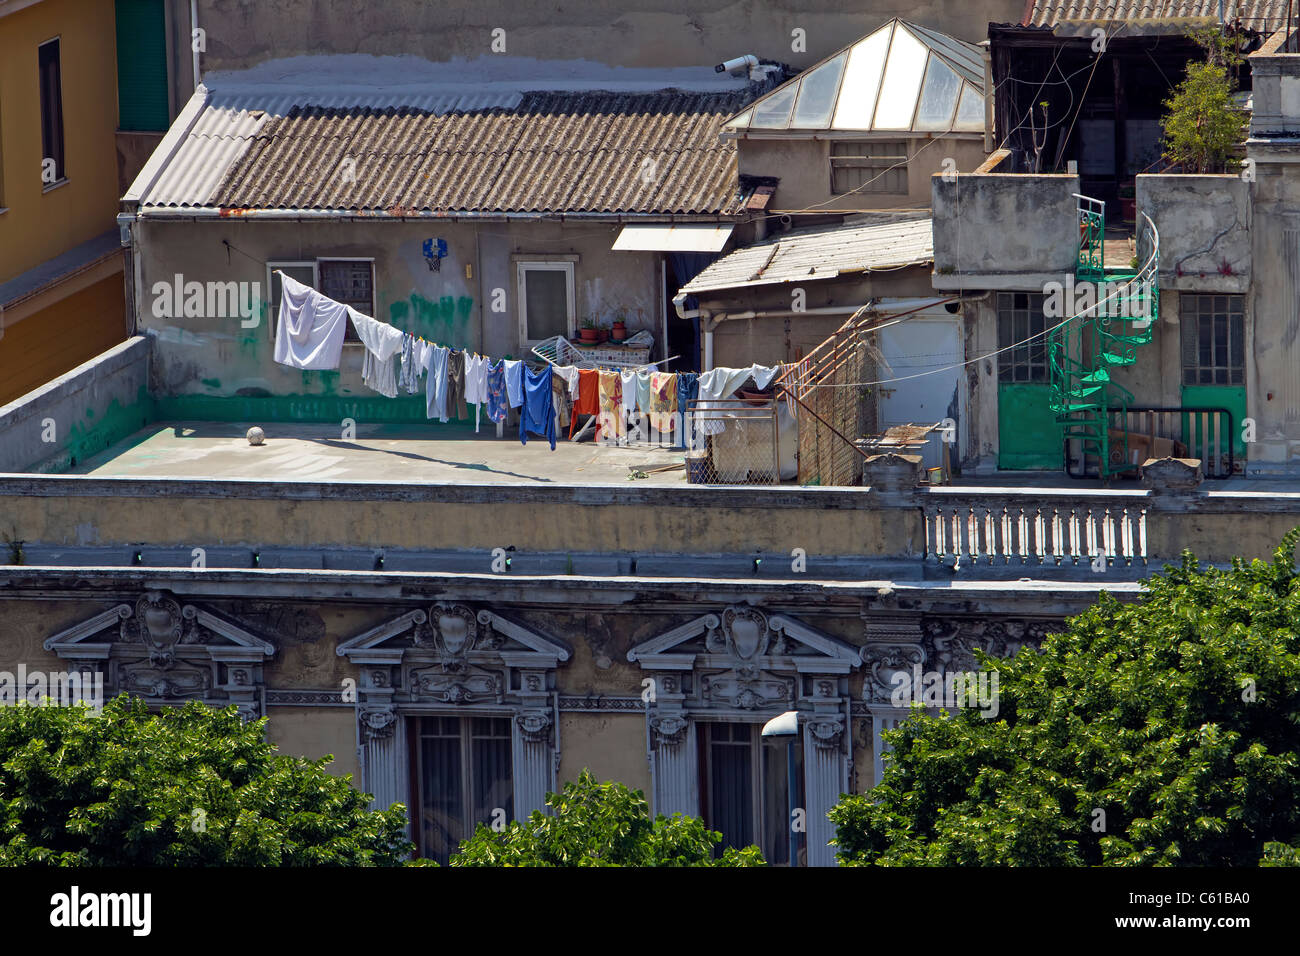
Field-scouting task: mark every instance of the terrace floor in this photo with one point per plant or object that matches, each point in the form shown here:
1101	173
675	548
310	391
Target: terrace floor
387	453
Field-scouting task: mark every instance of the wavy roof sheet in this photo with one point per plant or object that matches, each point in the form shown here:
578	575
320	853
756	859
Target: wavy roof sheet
532	152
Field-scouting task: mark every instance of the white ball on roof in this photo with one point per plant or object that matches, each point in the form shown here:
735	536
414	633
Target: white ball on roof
256	436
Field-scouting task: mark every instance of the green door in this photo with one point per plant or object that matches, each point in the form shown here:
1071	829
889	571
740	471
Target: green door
1231	397
141	66
1028	434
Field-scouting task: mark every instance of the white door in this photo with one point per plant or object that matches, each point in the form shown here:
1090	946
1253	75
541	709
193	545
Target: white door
928	341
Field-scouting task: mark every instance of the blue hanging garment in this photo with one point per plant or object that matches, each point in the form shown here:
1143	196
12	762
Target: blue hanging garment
538	412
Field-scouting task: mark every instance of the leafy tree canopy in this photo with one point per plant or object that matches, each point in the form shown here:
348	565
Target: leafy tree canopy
191	786
1162	732
600	824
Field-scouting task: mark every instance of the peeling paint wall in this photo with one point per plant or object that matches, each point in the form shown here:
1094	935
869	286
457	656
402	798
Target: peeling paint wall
213	367
242	33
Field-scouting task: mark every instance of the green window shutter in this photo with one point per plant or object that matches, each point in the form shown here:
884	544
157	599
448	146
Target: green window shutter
141	66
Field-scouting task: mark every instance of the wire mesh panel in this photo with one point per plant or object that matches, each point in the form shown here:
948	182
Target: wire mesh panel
833	407
733	442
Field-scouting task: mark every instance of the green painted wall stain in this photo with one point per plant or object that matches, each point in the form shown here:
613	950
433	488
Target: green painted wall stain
114	424
446	321
258	409
212	382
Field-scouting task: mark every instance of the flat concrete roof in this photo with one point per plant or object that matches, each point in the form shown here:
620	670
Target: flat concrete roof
448	453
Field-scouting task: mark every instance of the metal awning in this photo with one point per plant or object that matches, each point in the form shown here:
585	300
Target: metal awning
674	237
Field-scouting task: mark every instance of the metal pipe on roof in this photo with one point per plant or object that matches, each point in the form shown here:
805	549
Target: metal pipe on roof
194	47
195	214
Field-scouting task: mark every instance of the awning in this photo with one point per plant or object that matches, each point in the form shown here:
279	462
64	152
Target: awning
674	237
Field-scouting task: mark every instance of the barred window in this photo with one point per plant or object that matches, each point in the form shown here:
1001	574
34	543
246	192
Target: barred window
351	282
1022	338
869	167
1213	339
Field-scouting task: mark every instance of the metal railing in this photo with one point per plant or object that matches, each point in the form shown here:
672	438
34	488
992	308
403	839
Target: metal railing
1010	527
1154	431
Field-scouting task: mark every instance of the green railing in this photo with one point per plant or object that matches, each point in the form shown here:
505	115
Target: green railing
1109	318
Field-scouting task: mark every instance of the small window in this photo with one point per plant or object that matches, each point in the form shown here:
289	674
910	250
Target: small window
331	277
746	782
545	301
1022	337
350	281
51	114
463	778
1213	336
876	168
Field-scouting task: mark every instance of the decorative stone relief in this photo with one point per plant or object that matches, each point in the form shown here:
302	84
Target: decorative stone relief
168	652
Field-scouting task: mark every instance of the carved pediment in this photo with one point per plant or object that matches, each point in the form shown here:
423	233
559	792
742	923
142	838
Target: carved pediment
748	640
166	651
455	634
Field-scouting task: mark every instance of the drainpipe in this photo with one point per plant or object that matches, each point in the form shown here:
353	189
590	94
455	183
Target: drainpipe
194	25
707	327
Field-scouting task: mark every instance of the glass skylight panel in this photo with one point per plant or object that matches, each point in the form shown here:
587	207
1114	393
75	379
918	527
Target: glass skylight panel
774	112
857	102
970	112
902	83
817	92
741	121
938	96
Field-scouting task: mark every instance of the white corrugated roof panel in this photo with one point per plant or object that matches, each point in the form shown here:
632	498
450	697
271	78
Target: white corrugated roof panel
821	253
673	237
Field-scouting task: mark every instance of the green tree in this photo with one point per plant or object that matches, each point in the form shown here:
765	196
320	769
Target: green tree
1161	732
1202	127
600	824
191	786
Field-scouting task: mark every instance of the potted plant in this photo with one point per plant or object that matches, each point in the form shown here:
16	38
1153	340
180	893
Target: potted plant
588	333
619	330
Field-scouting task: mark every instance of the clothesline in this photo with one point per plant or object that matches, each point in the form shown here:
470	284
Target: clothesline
310	329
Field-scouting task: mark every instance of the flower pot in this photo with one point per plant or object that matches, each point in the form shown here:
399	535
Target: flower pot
588	335
602	335
618	333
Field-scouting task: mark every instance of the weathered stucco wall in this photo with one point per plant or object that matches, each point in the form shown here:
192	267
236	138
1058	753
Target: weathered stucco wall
80	413
1204	224
211	356
1004	230
467	518
803	166
663	33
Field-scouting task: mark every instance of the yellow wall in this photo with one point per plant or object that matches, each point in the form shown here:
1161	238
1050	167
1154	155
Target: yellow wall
62	336
39	226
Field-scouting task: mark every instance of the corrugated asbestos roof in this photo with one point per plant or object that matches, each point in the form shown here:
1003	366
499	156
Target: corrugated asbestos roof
539	152
1262	15
821	253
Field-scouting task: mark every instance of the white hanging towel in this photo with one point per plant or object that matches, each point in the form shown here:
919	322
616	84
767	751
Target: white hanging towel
382	342
476	368
570	375
310	328
722	383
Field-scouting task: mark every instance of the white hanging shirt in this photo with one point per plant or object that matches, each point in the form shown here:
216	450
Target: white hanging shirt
310	328
382	342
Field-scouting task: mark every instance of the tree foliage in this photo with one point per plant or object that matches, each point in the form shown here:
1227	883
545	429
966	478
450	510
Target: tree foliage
191	786
1202	127
600	824
1162	732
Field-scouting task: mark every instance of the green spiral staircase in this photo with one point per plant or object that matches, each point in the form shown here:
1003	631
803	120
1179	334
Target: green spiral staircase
1085	349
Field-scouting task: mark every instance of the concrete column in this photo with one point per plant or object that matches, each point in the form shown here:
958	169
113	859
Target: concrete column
825	778
676	767
384	766
534	763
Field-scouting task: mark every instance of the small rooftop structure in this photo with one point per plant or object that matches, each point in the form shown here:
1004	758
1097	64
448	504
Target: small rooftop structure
901	78
255	145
